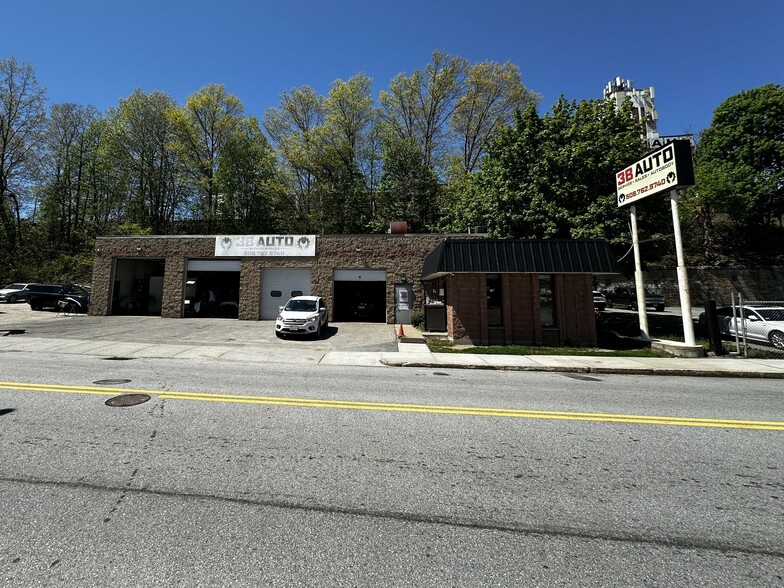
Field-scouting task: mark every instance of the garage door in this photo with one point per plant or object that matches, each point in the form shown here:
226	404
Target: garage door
280	284
360	295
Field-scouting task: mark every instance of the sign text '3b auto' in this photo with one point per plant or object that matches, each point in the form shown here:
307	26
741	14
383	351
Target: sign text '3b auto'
665	169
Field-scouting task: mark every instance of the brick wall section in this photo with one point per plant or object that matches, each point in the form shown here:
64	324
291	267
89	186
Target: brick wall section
465	297
467	310
523	307
401	256
574	308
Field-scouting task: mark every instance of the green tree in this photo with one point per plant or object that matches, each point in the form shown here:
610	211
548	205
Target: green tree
408	190
492	94
206	128
738	200
253	199
139	136
22	119
553	176
292	126
344	140
329	149
69	147
417	108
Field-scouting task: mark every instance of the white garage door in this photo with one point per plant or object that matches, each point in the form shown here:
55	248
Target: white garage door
280	284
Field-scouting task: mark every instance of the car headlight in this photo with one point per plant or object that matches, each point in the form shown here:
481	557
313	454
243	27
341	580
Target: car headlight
313	318
278	318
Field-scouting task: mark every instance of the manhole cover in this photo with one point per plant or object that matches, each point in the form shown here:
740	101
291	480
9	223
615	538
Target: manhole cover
117	358
128	400
110	382
584	378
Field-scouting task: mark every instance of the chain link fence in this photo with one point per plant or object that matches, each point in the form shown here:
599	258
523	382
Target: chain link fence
746	328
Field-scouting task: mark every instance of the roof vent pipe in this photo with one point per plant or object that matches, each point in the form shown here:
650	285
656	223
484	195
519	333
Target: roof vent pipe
398	227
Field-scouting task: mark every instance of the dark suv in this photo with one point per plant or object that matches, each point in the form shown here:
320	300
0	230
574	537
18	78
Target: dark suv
50	295
628	297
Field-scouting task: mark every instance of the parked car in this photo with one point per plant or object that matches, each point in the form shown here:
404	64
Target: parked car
628	297
302	315
599	301
15	292
764	324
42	296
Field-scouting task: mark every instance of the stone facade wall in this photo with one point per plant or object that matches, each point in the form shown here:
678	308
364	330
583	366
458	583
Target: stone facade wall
101	285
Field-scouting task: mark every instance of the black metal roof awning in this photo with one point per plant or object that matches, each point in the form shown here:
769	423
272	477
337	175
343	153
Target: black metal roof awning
499	256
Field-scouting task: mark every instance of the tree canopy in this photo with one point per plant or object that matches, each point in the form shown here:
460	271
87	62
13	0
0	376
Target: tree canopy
447	147
738	200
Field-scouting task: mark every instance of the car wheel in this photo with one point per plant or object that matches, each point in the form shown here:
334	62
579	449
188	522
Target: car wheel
660	308
318	332
12	298
278	334
777	339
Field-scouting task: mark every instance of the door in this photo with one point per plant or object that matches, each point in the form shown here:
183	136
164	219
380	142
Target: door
404	303
280	284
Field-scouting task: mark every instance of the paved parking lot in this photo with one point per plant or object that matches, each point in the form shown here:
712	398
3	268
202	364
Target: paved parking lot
194	332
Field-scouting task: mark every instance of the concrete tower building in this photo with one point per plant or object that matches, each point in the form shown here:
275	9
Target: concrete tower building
642	102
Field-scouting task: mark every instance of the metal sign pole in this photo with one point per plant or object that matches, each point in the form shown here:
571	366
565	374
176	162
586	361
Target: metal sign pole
683	279
640	286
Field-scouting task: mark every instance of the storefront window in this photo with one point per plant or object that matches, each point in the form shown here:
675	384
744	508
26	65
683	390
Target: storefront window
546	301
435	291
494	314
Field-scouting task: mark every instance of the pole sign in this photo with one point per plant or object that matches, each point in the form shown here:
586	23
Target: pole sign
665	169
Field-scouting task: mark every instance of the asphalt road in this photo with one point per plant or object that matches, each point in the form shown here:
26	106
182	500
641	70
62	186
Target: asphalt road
276	475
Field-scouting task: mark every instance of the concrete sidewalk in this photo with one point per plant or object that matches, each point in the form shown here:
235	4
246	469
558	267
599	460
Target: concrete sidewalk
414	352
408	355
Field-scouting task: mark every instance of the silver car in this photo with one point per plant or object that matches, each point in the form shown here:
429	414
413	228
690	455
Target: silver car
14	292
764	324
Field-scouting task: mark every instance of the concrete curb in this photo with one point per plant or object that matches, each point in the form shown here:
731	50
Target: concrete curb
652	371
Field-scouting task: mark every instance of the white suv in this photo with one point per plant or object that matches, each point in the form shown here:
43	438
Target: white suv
302	315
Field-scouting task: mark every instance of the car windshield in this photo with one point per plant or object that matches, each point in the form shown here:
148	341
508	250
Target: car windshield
301	305
771	314
14	287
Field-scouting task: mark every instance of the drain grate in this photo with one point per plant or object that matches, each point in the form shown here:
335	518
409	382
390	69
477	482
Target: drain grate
110	382
128	400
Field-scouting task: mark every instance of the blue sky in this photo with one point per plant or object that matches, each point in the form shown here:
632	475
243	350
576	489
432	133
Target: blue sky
695	53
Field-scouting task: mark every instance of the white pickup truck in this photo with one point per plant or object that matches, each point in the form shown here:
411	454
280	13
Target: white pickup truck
302	315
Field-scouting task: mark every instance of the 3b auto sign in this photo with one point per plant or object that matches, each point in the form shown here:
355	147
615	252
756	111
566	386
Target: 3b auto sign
669	167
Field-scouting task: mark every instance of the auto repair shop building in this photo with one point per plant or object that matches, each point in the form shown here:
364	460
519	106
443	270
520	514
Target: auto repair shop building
497	291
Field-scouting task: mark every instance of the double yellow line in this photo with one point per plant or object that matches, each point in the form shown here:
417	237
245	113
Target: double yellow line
406	408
